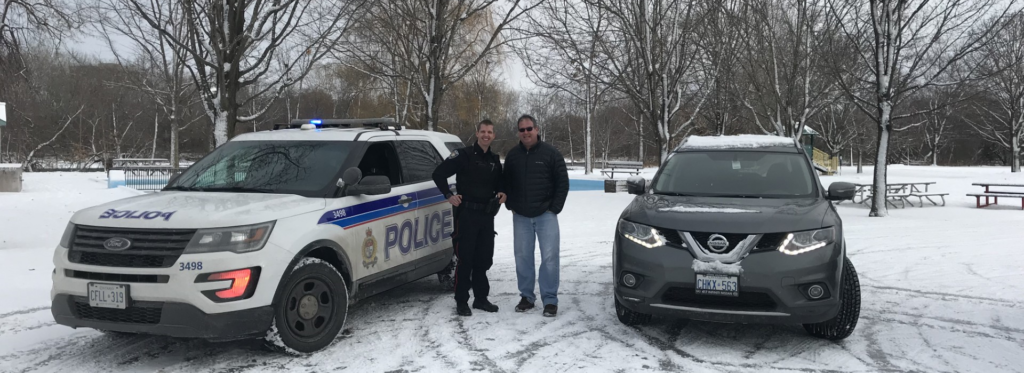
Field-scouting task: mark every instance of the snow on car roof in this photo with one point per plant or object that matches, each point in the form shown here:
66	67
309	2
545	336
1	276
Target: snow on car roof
736	142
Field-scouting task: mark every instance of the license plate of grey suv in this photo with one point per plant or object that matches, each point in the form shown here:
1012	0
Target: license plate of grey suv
724	285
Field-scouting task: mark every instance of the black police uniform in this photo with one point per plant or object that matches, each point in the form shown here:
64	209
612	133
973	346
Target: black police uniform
478	180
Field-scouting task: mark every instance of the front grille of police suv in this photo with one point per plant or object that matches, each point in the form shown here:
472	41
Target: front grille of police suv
150	248
137	313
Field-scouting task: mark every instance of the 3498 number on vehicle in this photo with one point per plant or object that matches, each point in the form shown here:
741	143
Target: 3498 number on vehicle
190	266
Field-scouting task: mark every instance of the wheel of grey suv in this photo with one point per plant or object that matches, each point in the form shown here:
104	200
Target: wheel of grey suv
311	308
842	325
447	276
630	317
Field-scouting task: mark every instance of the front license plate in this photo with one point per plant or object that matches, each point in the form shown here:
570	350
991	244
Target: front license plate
718	285
108	295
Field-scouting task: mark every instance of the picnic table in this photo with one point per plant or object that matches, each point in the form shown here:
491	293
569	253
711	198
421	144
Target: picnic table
628	167
995	194
901	192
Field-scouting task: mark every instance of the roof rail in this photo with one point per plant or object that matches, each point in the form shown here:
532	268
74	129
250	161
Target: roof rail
381	123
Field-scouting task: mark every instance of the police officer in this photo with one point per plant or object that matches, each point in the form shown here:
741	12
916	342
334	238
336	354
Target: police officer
478	182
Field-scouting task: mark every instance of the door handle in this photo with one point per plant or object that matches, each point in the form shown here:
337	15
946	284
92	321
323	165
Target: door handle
404	200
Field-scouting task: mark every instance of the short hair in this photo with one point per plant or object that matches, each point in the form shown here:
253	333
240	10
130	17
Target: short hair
485	122
526	116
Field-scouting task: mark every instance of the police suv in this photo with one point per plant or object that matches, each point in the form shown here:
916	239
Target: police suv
273	234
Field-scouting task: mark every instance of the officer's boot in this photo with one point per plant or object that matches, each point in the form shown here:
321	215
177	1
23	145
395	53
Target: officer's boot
483	304
462	308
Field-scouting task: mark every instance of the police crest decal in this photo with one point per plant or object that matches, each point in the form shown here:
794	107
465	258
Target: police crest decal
369	249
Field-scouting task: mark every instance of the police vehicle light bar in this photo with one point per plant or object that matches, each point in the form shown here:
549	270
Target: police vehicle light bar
381	123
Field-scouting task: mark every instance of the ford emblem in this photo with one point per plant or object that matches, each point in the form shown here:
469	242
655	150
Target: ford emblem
117	244
718	243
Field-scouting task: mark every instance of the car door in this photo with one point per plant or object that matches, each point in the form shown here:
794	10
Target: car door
370	223
433	223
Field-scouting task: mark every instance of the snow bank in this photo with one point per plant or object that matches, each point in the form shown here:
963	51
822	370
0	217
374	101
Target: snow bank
735	142
717	267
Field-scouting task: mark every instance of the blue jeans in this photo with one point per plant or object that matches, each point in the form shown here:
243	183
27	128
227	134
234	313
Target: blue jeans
526	231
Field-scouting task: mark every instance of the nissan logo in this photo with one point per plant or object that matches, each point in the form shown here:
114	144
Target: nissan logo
117	244
718	243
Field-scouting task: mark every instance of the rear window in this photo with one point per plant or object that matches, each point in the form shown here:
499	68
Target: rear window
738	174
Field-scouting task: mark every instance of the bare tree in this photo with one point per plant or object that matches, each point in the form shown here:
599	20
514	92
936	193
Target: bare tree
560	51
784	48
20	19
906	46
836	122
1001	115
234	45
163	78
654	58
430	44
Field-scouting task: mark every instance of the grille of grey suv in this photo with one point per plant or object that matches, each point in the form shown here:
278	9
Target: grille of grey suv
151	248
734	239
746	301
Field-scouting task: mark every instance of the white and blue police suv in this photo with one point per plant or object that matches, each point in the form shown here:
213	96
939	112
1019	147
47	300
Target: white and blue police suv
272	235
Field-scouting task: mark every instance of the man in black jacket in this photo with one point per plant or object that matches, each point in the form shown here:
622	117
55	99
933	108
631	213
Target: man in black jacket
537	184
478	181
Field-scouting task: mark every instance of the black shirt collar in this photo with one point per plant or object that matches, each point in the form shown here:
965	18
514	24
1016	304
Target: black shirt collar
478	150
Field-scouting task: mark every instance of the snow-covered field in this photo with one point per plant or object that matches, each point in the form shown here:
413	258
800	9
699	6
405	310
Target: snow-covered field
943	291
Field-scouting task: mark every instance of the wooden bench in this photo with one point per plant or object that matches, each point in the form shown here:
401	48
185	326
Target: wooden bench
627	167
923	196
995	194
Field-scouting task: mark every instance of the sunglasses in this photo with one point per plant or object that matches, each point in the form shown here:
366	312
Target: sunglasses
525	129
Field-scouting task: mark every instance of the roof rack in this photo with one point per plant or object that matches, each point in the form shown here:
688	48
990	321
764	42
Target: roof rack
381	123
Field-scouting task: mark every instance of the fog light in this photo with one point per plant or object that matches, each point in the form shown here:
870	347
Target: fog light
815	291
629	280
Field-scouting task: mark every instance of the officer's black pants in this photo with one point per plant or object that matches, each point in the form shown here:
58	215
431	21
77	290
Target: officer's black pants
474	246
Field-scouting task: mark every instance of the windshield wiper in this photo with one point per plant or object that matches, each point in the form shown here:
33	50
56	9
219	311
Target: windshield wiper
674	194
735	196
239	190
185	188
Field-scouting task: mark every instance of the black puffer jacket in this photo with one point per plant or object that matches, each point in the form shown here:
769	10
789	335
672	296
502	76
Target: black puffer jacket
535	180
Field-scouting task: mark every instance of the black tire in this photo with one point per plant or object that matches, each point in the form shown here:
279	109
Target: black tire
311	308
447	276
630	317
843	324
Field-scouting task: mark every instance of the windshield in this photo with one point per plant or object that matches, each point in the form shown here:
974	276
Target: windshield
738	174
292	167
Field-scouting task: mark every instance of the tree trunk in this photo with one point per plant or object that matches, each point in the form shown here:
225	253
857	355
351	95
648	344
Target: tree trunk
156	130
588	167
1015	149
878	208
174	141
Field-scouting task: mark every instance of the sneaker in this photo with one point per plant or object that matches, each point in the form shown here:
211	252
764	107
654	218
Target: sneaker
550	310
483	304
463	309
524	305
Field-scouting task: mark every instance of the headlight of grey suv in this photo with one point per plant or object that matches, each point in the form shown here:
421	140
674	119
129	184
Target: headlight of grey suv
643	235
241	239
801	242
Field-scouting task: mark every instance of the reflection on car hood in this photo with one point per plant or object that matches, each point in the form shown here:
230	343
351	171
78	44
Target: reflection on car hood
727	215
196	210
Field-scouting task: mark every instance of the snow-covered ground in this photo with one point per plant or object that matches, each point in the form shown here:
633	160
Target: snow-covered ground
943	291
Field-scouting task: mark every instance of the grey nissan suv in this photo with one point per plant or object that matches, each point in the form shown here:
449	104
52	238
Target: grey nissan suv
736	229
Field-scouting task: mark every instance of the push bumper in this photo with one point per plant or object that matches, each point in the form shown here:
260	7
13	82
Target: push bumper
162	318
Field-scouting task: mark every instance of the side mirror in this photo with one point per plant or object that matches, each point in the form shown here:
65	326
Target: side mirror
370	185
636	185
351	176
839	191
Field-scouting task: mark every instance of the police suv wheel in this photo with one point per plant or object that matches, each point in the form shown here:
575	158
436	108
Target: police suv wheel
447	276
630	317
311	308
842	325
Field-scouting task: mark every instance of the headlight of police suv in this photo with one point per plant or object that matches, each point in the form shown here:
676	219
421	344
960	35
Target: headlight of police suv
65	240
241	239
643	235
801	242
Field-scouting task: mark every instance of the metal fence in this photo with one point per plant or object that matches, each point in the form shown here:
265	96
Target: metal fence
148	178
